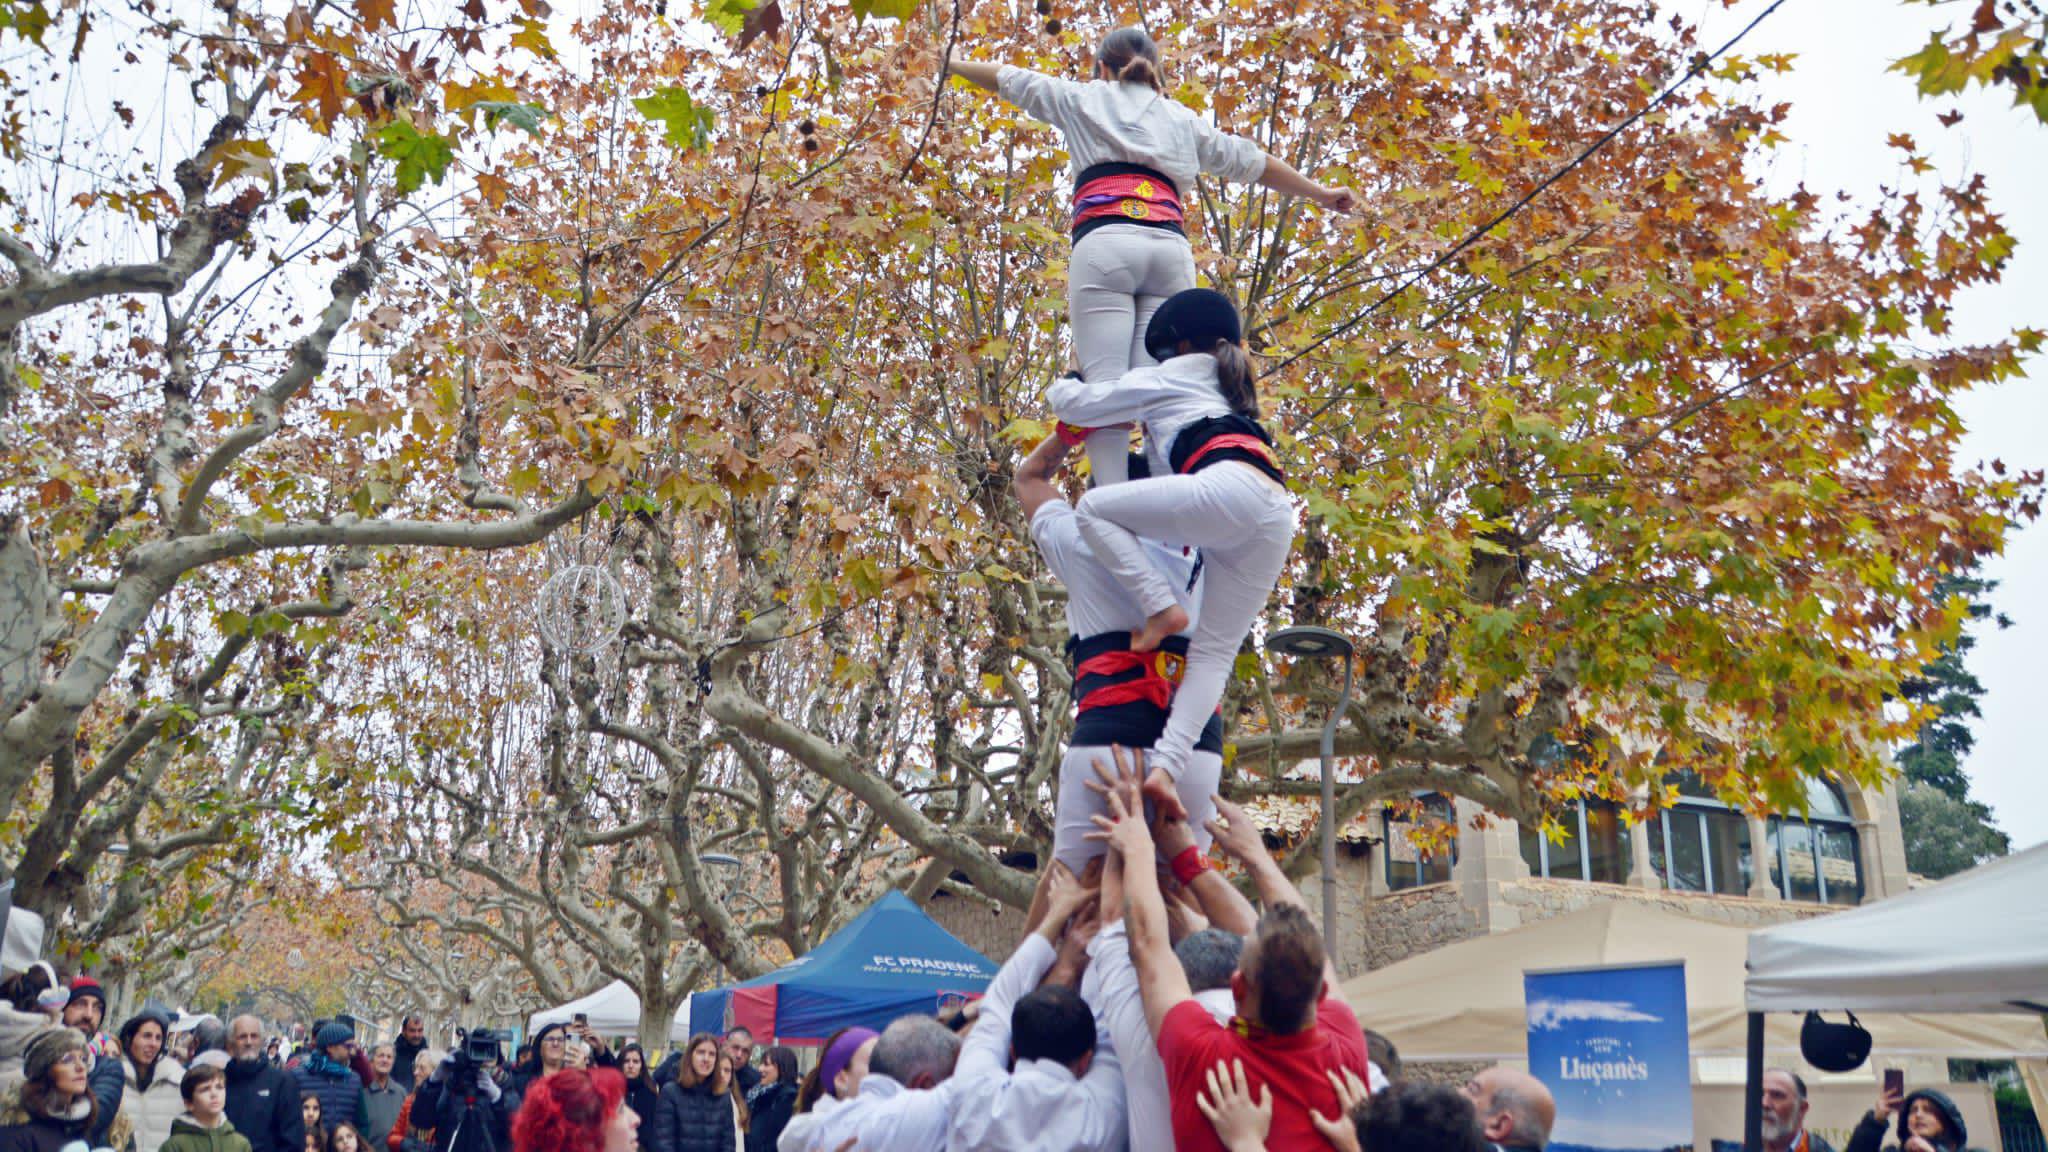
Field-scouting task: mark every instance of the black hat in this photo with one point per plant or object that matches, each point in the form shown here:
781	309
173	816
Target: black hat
1834	1047
1200	316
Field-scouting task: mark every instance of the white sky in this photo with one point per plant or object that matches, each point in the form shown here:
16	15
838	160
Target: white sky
1844	104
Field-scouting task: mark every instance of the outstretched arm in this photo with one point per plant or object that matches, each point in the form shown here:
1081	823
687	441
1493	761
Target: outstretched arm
1164	981
973	71
1239	837
1281	177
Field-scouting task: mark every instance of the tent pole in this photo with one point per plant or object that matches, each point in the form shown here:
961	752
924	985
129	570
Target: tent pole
1753	1088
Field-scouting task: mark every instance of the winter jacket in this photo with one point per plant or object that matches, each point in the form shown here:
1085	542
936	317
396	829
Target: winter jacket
17	1028
406	1054
263	1105
48	1133
108	1082
337	1088
694	1120
643	1099
403	1128
383	1105
43	1134
1870	1133
771	1106
187	1136
152	1111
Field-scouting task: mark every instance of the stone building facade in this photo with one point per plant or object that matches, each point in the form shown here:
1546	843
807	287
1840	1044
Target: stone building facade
1699	858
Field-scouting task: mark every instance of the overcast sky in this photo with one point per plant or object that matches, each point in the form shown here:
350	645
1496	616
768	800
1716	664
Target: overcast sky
1844	104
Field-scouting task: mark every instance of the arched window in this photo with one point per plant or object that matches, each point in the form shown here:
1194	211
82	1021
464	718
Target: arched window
1702	845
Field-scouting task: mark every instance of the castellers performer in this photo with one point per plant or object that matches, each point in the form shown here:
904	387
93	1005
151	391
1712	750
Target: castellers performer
1215	484
1136	154
1121	697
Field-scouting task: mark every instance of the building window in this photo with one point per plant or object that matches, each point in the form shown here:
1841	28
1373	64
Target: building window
1406	865
1595	846
1703	845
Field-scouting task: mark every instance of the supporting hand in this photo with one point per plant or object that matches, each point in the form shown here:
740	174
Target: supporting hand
1242	1120
1341	1131
1235	833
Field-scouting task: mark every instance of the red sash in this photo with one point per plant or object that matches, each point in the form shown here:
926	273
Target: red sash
1249	443
1127	196
1162	672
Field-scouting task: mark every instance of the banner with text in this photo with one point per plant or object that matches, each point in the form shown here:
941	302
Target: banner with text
1611	1045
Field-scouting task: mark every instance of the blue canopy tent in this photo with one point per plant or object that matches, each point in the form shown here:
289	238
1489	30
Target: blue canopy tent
892	960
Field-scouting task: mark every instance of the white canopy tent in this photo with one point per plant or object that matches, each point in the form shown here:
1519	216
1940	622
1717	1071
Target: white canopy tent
1463	1002
613	1010
1974	943
1977	942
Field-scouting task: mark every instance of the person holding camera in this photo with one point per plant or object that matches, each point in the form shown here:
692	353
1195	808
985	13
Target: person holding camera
471	1098
1928	1121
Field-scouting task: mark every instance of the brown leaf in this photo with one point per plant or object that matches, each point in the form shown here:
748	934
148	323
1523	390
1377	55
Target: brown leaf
764	19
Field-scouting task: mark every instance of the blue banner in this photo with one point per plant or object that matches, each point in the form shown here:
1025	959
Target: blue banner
1611	1045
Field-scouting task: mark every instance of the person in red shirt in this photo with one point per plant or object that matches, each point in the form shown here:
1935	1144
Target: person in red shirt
1290	1035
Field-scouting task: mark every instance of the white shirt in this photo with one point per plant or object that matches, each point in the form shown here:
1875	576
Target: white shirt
1097	602
797	1136
1111	985
1041	1106
886	1115
1104	122
1165	397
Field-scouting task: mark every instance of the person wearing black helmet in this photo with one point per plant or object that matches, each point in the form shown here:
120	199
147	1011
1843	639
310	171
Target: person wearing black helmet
1215	484
1928	1122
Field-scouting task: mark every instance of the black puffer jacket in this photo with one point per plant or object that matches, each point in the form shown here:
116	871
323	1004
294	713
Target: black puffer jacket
1870	1133
693	1120
771	1106
44	1133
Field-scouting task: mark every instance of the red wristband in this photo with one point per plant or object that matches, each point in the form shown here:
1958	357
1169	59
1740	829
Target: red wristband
1072	435
1188	865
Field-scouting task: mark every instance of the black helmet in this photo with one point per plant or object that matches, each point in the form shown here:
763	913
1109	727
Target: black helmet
1200	316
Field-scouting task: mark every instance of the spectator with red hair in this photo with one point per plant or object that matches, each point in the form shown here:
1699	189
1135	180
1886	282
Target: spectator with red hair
576	1111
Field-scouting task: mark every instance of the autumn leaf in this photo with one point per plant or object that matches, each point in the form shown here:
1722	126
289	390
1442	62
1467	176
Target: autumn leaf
376	14
323	88
684	124
234	158
765	19
28	20
886	9
418	156
533	37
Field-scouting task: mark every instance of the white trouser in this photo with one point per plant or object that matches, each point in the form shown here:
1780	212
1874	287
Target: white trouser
1078	802
1118	277
1243	521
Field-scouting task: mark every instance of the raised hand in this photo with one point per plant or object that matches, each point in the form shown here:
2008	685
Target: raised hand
1234	831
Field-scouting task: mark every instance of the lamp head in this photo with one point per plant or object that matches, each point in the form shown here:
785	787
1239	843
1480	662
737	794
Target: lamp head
1308	642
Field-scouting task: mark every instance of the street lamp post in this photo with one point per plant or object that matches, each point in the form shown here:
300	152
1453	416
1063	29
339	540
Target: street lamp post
1308	642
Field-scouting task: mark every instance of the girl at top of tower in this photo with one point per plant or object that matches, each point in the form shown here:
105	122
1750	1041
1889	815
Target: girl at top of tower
1136	154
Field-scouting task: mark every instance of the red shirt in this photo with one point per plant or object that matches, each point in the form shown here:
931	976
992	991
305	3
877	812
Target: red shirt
1292	1067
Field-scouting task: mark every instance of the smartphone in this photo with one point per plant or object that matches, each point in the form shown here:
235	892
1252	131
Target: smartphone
1895	1081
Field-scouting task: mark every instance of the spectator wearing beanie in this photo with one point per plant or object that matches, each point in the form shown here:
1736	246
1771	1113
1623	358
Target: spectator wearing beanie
53	1105
151	1097
326	1075
85	1011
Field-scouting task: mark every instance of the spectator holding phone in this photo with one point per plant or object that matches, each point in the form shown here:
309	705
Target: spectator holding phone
1928	1121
